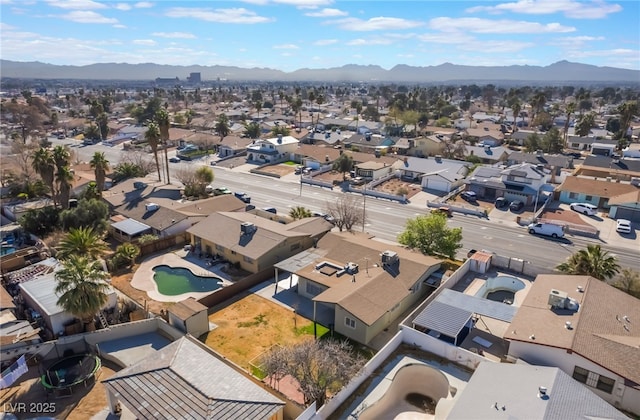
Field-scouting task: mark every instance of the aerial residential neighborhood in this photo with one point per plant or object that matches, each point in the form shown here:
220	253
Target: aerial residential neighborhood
237	242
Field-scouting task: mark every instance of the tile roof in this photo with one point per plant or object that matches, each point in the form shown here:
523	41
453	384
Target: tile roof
613	165
599	331
453	170
544	159
225	202
632	197
186	380
159	219
599	188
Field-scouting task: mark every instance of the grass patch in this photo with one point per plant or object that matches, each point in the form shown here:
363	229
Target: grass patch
257	372
321	330
290	163
257	320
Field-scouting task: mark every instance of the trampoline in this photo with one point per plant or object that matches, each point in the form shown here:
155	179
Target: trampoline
65	373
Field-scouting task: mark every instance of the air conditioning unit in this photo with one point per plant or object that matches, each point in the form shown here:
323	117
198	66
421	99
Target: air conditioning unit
557	298
351	267
151	206
247	228
389	257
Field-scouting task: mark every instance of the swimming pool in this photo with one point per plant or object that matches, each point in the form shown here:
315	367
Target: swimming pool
501	289
173	281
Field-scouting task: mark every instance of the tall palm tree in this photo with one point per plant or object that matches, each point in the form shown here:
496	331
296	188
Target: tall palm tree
83	242
585	124
100	166
82	287
516	107
44	165
627	111
61	156
64	182
299	212
571	108
162	119
592	261
222	126
152	137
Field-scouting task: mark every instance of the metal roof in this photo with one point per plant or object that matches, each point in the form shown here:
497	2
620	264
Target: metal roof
130	227
298	261
478	305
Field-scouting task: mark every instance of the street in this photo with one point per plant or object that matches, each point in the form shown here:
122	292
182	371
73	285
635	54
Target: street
386	219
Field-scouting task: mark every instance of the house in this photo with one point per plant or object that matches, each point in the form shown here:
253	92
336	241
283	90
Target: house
588	190
185	379
368	143
373	169
517	182
39	293
315	156
162	220
497	390
487	154
427	146
625	206
553	163
485	134
358	284
189	316
586	328
272	150
136	189
434	173
521	136
609	167
253	242
233	146
199	209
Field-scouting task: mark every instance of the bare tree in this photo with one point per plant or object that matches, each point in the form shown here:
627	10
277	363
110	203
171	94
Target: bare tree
319	366
347	211
138	158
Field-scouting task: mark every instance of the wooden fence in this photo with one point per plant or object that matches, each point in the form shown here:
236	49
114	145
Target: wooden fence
163	243
228	292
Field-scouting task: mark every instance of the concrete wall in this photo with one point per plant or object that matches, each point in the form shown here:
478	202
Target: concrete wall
198	324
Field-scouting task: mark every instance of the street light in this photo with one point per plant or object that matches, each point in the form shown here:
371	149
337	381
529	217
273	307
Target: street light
364	204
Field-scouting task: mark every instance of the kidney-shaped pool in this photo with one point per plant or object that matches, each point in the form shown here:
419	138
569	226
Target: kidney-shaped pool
173	281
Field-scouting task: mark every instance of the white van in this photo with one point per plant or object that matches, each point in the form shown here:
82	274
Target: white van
548	229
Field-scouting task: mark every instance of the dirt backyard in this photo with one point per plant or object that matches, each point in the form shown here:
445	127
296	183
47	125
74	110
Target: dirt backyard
280	169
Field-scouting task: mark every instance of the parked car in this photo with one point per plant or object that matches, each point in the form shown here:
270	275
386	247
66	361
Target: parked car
516	205
325	216
271	210
469	196
298	170
357	180
548	229
443	210
584	208
623	226
174	159
221	191
501	203
242	196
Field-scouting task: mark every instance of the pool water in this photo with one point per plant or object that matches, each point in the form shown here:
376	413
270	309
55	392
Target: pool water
173	281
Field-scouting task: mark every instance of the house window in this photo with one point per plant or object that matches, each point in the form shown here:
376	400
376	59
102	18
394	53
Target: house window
605	384
573	195
351	323
588	198
580	374
219	248
248	259
593	379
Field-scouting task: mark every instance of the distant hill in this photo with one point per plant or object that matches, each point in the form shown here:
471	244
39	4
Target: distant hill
562	71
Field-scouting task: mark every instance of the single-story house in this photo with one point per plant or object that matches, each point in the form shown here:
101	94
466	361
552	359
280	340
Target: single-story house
368	143
588	190
487	154
315	156
362	284
233	146
186	379
434	173
521	136
609	167
135	189
585	327
373	169
253	242
163	221
485	134
625	206
427	146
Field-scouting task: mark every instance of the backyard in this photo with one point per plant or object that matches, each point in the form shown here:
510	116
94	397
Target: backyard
251	325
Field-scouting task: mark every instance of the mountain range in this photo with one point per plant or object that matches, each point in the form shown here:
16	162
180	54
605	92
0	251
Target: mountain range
560	72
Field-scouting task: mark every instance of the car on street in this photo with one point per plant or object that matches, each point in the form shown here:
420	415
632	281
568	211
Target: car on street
623	226
174	159
547	229
325	216
469	196
221	191
584	208
516	205
242	196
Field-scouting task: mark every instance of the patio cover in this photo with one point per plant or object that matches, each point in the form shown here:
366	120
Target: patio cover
130	227
298	261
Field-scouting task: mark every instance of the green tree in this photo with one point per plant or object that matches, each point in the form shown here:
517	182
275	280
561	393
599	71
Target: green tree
252	130
592	261
204	176
585	124
532	143
64	182
83	242
222	126
552	141
91	191
103	125
127	170
40	222
299	212
343	164
92	132
280	130
44	165
430	234
627	111
90	213
152	137
629	282
127	252
100	166
82	287
571	109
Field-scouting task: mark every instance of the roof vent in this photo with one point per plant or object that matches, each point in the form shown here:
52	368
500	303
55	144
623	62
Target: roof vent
151	207
580	289
351	267
389	257
568	325
247	228
542	392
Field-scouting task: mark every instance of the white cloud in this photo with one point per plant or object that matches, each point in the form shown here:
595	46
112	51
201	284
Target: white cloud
570	8
119	26
149	42
576	41
488	26
143	5
286	47
375	24
6	27
446	38
76	4
181	35
322	42
327	13
372	41
123	6
616	52
305	4
286	54
87	16
235	15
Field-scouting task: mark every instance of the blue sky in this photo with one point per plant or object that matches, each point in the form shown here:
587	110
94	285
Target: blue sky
293	34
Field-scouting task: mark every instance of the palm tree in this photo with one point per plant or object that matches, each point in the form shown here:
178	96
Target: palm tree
83	242
64	182
586	122
571	108
82	287
100	165
299	212
44	165
516	107
252	130
627	111
222	126
61	156
591	262
162	119
152	136
128	252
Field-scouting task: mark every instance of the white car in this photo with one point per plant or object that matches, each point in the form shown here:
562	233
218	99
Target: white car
584	208
623	226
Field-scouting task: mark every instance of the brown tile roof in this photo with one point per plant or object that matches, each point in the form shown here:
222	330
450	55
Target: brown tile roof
376	289
179	134
225	202
598	328
160	219
6	301
235	141
595	187
632	197
318	153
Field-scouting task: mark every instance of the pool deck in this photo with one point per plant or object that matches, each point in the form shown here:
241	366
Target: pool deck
143	277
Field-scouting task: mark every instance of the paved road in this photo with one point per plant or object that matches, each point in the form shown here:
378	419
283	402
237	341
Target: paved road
387	219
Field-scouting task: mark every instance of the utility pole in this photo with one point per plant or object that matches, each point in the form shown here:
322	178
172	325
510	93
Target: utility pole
364	205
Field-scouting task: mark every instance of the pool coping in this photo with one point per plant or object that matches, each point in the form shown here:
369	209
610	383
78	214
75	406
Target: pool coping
143	277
